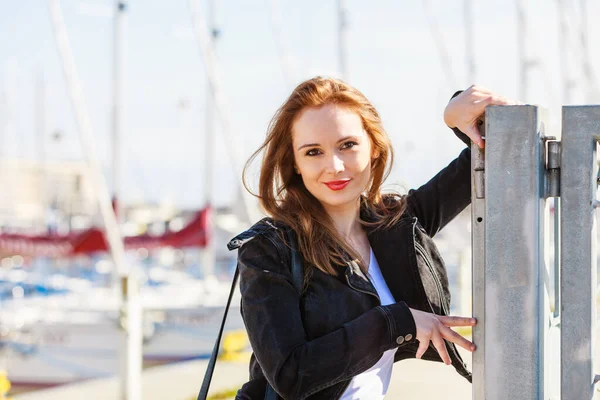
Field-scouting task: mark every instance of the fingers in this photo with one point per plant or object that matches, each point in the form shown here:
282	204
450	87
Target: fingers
423	345
440	346
480	92
499	101
473	133
459	340
456	321
479	89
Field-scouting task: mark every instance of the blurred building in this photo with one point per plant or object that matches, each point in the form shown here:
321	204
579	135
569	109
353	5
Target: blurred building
45	197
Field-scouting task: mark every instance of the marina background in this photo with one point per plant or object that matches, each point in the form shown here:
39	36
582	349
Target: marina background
166	155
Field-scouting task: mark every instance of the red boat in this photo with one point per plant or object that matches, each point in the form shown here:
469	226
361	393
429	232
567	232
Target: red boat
195	234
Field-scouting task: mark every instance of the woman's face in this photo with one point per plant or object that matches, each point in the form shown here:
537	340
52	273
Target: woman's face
332	153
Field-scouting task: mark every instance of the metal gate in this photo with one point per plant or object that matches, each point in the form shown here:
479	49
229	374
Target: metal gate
535	298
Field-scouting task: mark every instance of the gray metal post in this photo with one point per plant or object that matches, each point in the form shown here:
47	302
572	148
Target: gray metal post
516	312
478	264
581	130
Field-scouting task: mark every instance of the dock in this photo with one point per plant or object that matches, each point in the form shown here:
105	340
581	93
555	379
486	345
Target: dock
411	380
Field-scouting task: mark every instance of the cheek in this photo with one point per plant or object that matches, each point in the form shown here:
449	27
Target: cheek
310	172
362	162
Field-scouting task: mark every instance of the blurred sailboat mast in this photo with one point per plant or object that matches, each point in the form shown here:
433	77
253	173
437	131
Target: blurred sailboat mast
440	44
130	311
526	63
343	39
209	117
208	254
40	117
130	316
592	90
117	82
566	81
523	67
469	39
287	67
249	209
40	141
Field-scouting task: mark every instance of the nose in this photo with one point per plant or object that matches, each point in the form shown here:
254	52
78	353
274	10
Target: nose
335	165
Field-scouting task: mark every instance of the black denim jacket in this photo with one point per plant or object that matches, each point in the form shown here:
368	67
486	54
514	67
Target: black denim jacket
310	346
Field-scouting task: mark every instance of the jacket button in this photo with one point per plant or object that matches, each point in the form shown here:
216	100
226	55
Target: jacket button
408	337
400	340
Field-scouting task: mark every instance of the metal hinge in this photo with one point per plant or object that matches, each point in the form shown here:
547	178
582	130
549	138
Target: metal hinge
553	161
479	171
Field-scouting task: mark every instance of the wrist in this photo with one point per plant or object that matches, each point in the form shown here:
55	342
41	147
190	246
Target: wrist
448	121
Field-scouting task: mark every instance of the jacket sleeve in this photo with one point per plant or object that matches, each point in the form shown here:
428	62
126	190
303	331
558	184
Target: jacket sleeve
294	366
446	194
459	134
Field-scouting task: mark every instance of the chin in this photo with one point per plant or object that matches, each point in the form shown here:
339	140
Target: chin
338	200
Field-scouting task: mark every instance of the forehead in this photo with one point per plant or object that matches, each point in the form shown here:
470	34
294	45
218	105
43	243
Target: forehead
328	122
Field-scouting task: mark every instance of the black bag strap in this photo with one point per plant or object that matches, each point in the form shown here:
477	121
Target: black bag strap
298	281
213	358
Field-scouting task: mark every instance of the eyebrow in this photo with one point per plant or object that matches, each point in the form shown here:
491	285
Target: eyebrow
317	144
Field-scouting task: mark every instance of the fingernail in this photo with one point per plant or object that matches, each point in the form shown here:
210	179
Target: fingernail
473	348
473	321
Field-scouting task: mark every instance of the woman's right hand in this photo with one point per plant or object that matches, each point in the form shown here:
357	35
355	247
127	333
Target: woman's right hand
435	328
464	110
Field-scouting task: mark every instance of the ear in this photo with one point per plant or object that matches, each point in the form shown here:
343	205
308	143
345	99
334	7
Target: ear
375	153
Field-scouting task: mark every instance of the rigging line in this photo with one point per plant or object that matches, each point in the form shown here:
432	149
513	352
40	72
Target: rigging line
440	45
86	135
130	310
220	102
287	67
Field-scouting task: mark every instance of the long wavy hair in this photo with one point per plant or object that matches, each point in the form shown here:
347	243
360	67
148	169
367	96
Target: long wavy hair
284	197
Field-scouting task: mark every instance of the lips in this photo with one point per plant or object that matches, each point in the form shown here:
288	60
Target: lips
337	185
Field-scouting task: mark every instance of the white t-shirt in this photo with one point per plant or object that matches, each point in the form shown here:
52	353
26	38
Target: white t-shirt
374	382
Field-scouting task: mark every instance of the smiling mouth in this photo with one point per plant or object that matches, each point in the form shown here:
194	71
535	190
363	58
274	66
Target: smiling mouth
337	185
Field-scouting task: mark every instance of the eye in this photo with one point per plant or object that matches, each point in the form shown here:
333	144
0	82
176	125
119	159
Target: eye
313	152
349	144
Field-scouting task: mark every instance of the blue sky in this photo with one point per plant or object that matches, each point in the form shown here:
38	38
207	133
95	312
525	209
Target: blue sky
392	58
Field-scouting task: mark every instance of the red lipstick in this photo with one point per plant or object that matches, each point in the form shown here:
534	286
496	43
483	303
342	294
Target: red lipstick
337	185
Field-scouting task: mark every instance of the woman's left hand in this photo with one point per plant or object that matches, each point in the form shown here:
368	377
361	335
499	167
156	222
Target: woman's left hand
464	110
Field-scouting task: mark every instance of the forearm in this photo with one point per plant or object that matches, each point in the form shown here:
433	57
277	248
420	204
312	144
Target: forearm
301	368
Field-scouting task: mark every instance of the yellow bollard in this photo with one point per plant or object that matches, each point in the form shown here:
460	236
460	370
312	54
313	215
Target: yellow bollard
235	344
4	385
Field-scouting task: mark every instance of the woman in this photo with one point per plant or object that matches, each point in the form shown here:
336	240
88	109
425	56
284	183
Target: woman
375	289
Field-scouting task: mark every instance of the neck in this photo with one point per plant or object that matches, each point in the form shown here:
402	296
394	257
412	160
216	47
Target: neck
345	219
